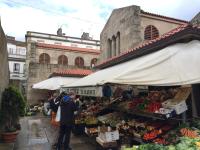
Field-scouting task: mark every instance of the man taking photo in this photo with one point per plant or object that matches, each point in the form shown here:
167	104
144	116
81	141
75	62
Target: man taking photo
68	107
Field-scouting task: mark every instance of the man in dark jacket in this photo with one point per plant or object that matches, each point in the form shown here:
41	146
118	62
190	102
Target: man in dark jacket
68	107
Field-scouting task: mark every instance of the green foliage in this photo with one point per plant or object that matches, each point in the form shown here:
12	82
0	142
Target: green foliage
21	101
12	107
184	144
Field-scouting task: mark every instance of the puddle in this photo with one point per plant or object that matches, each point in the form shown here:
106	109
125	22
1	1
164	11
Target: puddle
36	132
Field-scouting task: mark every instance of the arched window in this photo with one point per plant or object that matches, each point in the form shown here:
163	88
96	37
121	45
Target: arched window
44	58
79	62
62	60
151	32
118	43
93	62
109	48
113	46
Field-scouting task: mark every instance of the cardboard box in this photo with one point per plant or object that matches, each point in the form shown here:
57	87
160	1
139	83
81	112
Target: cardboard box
109	136
105	144
178	102
178	106
182	94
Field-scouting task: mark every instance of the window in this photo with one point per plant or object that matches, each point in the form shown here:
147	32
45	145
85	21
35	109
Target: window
16	67
10	50
23	51
24	69
93	62
18	51
118	43
44	58
113	46
79	62
109	48
151	32
62	60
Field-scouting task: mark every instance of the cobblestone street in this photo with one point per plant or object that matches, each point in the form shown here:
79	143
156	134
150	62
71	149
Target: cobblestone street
38	134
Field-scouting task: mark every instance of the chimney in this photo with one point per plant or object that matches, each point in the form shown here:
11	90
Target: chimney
86	36
59	32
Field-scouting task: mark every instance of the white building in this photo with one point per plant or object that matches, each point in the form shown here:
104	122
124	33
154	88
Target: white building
17	59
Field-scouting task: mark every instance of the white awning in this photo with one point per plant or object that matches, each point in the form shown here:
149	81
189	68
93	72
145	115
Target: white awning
177	64
54	83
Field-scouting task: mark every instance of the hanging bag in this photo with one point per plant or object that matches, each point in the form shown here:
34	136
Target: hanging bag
58	114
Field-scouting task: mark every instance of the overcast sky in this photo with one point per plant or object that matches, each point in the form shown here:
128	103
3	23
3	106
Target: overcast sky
77	16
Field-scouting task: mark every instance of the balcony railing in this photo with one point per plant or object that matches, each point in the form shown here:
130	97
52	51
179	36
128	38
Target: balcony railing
17	76
16	56
58	66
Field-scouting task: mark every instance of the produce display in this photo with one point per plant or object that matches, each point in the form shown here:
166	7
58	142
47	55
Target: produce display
152	103
189	133
91	131
111	119
184	144
152	135
139	120
87	120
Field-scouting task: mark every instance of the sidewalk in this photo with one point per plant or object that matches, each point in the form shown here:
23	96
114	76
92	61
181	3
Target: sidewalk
37	134
6	146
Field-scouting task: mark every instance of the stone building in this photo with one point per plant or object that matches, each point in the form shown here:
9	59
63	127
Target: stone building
48	53
129	26
196	19
16	57
4	73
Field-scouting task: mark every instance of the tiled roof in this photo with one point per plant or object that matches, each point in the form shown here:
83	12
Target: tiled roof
164	17
72	72
145	47
78	49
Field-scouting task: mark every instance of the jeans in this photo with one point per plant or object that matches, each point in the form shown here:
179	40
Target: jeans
65	132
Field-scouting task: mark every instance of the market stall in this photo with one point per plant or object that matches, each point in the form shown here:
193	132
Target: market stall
173	65
54	83
161	118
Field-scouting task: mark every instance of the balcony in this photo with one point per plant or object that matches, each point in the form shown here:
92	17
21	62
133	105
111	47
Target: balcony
17	76
16	56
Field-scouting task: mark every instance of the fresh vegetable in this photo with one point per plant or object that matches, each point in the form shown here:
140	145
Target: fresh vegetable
188	133
152	135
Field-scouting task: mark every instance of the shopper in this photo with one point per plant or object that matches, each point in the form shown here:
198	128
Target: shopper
68	107
54	103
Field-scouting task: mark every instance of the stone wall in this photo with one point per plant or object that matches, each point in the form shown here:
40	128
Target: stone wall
39	72
130	23
54	54
123	21
196	19
161	25
4	73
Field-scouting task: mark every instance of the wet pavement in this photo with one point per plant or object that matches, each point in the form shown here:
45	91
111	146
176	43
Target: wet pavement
38	134
6	146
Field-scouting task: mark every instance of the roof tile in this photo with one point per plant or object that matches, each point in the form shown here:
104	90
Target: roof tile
73	72
164	17
147	43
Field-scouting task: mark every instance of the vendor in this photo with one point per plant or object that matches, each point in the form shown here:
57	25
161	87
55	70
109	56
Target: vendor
77	101
127	94
107	91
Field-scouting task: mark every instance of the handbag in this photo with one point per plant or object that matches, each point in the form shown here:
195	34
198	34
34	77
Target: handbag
49	112
58	114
